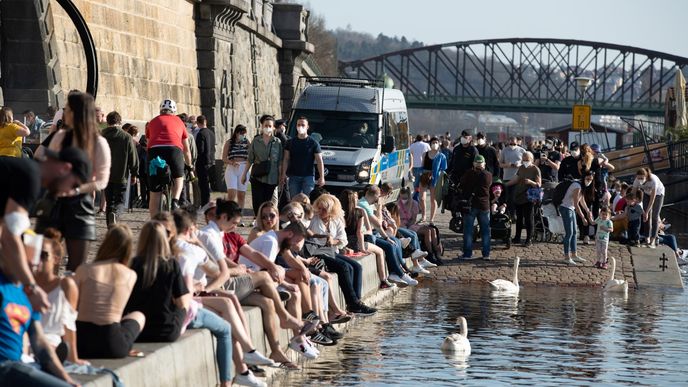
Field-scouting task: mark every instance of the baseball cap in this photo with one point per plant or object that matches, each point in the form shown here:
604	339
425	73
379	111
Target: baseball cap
81	165
596	148
479	159
574	146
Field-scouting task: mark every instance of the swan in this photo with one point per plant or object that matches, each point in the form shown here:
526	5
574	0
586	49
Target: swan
504	286
458	342
615	285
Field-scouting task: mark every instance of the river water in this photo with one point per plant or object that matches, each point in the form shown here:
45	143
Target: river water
548	336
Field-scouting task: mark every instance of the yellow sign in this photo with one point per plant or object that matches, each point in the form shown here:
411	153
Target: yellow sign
581	117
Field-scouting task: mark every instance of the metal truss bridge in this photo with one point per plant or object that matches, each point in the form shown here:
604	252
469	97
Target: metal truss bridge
527	75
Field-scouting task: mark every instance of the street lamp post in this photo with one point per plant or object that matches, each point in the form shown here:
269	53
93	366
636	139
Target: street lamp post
583	83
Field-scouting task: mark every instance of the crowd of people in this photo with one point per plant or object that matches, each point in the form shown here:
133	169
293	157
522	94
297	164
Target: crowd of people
178	274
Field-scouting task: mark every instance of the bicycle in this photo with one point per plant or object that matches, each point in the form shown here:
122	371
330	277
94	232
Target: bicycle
160	178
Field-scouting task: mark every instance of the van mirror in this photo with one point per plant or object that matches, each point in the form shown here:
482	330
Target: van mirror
388	145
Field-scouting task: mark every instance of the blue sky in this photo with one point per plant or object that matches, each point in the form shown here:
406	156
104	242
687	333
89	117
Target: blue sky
660	25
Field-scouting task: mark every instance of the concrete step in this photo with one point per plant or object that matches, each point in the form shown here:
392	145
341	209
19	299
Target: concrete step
190	361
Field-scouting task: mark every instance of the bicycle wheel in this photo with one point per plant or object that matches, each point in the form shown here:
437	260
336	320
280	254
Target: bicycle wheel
165	202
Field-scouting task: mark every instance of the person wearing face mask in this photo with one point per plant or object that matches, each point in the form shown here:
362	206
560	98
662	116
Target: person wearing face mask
234	156
548	160
463	156
434	163
300	153
281	131
476	183
489	153
528	176
264	163
572	204
568	169
510	160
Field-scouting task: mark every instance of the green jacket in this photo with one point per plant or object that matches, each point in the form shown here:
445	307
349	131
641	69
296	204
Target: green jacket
258	152
125	160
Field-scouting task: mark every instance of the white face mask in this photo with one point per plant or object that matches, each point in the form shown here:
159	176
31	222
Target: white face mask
480	166
302	130
575	153
242	137
526	164
640	181
481	141
268	130
465	140
435	146
588	182
512	146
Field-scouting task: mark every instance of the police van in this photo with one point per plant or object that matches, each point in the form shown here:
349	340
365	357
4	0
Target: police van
362	128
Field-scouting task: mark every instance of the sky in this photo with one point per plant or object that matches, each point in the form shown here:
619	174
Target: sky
658	25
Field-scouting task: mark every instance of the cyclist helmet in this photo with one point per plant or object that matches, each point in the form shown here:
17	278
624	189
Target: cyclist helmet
169	104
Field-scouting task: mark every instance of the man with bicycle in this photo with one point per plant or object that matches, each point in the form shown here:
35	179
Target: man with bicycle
168	139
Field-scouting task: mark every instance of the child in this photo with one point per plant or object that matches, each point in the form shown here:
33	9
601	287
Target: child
633	214
604	227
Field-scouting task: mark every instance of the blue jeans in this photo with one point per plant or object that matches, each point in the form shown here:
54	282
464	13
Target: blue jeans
392	255
634	230
223	334
16	373
669	240
417	172
484	223
568	216
356	273
301	184
406	233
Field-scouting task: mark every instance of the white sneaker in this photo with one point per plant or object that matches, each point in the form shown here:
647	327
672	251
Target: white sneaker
419	269
579	259
249	380
257	358
409	281
304	348
569	261
425	263
418	254
405	242
395	279
652	245
586	240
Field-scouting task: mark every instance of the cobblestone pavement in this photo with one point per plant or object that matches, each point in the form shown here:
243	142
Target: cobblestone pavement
541	264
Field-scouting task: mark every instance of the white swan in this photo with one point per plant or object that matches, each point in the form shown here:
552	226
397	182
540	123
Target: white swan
458	343
615	285
504	286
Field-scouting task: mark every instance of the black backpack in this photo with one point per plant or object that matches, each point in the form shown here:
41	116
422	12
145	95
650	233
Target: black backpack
560	192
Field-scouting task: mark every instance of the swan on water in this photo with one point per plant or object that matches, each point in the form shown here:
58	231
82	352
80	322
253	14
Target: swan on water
458	342
505	286
615	285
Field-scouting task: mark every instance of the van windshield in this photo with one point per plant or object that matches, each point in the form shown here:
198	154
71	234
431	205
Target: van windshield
341	129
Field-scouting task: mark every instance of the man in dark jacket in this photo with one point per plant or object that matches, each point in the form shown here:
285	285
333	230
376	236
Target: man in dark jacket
568	169
124	166
476	184
463	156
205	146
489	153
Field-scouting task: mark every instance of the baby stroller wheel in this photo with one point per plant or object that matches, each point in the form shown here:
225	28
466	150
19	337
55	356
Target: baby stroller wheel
455	225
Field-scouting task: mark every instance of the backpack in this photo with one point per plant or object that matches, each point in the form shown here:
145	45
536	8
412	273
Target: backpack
560	192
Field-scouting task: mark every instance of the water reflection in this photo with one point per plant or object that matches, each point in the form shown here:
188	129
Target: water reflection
572	336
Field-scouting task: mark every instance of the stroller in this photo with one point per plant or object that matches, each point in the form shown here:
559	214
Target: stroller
548	224
454	202
500	228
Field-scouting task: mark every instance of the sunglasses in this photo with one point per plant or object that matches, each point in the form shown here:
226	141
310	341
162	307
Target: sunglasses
268	216
44	255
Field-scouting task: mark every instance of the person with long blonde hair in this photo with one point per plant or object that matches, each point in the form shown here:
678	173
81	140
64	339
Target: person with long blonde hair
104	289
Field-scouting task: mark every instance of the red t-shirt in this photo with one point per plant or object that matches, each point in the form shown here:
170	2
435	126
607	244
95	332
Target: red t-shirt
233	242
620	205
166	129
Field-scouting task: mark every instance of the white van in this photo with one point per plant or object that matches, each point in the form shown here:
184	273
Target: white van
362	128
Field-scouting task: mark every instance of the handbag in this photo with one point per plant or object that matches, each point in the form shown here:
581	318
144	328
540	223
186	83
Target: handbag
311	249
262	168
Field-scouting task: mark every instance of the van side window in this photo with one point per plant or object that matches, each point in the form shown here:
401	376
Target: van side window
397	126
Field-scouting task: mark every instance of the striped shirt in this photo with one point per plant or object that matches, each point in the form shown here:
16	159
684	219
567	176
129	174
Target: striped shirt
239	150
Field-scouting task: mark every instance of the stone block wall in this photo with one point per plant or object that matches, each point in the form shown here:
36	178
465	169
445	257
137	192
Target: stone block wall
146	53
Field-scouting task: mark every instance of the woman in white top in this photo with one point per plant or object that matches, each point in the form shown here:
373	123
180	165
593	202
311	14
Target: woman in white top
653	200
574	203
59	322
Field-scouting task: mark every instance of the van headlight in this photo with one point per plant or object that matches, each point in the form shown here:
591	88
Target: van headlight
363	171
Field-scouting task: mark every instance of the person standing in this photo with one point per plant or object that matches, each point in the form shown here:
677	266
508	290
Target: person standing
12	133
653	200
300	153
476	183
205	161
234	155
510	160
418	149
548	160
434	163
168	139
281	131
573	203
527	177
568	169
489	153
125	163
463	156
264	161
